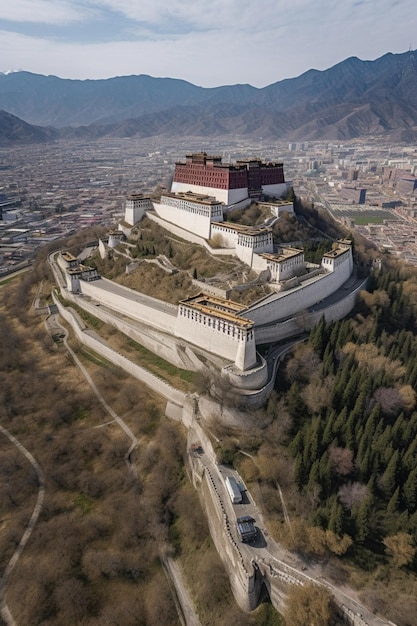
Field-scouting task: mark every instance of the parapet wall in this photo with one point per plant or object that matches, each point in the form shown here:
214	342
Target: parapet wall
137	306
152	381
245	584
289	303
194	222
307	319
162	344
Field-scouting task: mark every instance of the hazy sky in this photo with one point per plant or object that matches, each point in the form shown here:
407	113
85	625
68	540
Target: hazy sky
207	42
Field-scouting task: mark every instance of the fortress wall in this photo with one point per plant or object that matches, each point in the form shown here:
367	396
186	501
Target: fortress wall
154	382
136	308
162	344
307	319
289	303
254	378
133	214
259	264
176	230
180	232
211	289
245	254
228	236
193	222
208	338
246	587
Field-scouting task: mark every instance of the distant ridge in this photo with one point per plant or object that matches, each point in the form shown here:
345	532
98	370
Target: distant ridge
351	99
14	130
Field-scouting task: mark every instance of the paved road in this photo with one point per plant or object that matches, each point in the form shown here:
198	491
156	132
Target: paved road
277	559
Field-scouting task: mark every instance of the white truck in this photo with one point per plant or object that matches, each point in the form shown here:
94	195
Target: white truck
233	490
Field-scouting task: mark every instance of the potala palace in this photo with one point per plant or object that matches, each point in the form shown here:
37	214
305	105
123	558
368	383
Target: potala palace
195	209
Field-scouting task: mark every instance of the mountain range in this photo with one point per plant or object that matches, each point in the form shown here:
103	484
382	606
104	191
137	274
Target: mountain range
352	99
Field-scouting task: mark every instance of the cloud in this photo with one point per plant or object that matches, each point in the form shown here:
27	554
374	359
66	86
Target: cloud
207	43
43	12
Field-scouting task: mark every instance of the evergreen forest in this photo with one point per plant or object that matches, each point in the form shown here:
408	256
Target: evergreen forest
350	391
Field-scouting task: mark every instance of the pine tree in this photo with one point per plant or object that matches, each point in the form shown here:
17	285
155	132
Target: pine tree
299	472
362	520
410	491
336	518
394	503
318	337
390	476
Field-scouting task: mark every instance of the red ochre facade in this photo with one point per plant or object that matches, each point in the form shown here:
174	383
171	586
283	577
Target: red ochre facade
209	171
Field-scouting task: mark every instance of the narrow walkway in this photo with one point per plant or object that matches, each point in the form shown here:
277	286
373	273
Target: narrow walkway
4	610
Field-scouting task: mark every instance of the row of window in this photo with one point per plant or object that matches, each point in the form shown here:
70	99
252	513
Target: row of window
216	324
191	207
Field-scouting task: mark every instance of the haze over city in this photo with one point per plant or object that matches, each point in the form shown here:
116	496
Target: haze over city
208	44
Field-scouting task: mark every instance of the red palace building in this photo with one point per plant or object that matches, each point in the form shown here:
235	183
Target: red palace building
228	183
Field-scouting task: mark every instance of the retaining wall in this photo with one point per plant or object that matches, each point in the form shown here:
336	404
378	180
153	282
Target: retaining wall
154	382
289	303
134	304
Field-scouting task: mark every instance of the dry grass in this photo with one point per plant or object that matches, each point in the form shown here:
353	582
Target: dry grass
189	259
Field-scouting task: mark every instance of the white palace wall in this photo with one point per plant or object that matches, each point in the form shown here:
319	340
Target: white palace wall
295	325
191	237
137	306
154	382
221	338
290	303
194	222
228	196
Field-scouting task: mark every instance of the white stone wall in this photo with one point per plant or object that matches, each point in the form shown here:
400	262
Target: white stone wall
73	282
218	336
252	379
259	265
286	268
291	302
152	381
229	237
294	326
193	205
193	222
114	239
228	196
135	209
137	306
279	209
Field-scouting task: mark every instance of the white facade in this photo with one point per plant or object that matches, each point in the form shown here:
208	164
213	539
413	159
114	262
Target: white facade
277	207
211	324
284	264
337	257
114	239
227	196
290	303
66	259
192	212
75	276
136	205
246	240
